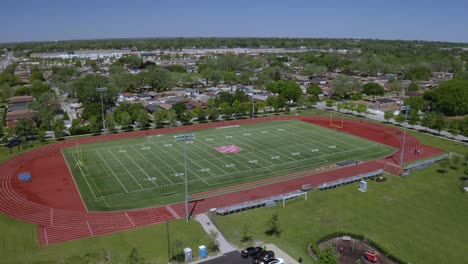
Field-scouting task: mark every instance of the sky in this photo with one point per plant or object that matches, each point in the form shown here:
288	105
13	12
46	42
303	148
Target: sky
39	20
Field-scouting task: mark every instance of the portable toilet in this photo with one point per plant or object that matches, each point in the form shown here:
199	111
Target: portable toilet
202	251
188	254
363	186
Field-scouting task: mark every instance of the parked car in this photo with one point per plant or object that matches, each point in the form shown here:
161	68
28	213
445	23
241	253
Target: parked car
263	256
251	252
273	261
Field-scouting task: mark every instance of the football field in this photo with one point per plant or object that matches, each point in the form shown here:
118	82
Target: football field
149	171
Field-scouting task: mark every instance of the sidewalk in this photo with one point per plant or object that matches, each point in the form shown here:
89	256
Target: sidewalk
205	222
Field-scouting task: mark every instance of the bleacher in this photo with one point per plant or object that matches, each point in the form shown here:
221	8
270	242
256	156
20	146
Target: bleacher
340	182
420	164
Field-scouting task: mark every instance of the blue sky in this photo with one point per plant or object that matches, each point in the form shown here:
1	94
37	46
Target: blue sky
33	20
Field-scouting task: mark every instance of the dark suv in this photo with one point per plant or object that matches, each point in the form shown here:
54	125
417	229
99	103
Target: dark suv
263	256
251	252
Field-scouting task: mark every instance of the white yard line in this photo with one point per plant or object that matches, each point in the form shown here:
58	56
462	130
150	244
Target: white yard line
141	169
131	175
112	171
180	163
160	172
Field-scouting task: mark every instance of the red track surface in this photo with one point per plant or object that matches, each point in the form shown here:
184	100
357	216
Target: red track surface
52	200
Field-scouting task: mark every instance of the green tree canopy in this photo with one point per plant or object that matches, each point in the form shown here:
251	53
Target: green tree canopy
450	98
373	88
420	73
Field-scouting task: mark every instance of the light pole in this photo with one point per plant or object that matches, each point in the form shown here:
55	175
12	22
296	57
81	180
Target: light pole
101	90
253	107
186	139
405	108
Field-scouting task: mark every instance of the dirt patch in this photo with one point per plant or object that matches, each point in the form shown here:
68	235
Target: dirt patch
351	250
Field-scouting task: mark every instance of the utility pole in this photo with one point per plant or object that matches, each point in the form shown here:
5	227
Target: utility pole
186	139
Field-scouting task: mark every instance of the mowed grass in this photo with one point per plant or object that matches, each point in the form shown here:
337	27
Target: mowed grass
148	171
19	244
421	219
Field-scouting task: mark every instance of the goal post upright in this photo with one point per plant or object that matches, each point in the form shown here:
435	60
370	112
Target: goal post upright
335	125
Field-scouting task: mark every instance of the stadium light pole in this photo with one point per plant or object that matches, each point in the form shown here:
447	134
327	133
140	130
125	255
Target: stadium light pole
101	90
405	108
253	107
186	139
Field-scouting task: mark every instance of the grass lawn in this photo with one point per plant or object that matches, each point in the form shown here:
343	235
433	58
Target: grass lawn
18	243
421	219
140	172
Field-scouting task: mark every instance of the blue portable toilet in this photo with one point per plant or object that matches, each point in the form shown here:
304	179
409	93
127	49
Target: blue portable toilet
202	251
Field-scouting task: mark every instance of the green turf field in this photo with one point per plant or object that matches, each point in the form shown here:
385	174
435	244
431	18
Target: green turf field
148	171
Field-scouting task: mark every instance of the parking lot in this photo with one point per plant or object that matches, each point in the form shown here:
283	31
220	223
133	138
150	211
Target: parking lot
229	258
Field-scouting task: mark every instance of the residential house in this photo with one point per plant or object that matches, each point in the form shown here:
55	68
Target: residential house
15	116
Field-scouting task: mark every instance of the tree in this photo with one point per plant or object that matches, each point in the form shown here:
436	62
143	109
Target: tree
428	119
25	128
237	108
373	88
450	98
159	117
260	106
440	122
46	109
413	87
389	114
246	237
417	103
95	125
142	118
420	73
400	118
273	225
179	108
59	127
328	256
125	120
329	103
271	101
135	258
226	110
199	113
314	89
290	90
172	117
110	122
413	117
343	86
395	86
361	108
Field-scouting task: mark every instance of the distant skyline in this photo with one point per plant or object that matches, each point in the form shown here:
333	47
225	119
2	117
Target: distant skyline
48	20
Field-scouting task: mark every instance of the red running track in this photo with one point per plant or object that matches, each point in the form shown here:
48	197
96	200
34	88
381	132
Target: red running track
52	200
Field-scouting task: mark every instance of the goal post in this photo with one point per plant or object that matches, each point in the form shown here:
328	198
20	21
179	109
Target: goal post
337	122
293	196
79	157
